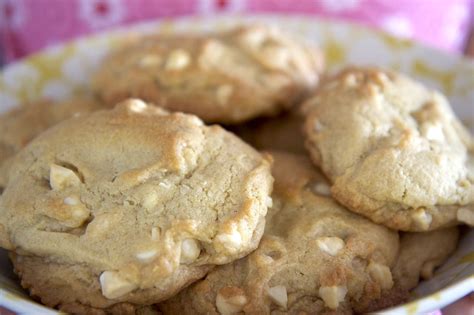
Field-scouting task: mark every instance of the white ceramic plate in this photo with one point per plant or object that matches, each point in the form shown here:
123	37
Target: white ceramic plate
57	72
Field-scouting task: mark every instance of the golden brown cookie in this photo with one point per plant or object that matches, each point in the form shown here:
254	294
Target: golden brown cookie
21	125
32	271
227	77
315	257
393	149
130	205
421	253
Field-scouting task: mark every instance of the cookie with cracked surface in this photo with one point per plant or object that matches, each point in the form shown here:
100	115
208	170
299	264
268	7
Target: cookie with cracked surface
315	257
282	133
227	77
21	125
130	205
393	149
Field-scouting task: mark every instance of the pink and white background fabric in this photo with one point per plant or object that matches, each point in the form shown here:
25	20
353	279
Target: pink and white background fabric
27	26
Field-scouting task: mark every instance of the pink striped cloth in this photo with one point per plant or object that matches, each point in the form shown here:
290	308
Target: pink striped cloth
29	25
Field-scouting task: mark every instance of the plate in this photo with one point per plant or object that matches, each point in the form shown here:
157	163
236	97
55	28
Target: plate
61	70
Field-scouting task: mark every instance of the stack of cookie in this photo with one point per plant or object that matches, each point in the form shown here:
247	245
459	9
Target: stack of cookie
124	201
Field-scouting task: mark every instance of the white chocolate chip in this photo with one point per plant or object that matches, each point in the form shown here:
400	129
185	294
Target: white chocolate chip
114	286
333	295
378	97
150	200
433	132
231	241
275	57
232	304
147	255
62	177
278	295
253	37
77	212
422	218
223	93
195	120
466	215
269	202
442	160
381	274
212	52
322	189
164	185
137	105
190	250
350	80
330	245
80	214
71	201
150	60
178	60
155	233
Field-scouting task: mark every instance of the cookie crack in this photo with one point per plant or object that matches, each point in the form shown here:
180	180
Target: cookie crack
200	164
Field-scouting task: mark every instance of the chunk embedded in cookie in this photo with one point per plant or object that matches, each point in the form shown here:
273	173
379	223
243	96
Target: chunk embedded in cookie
130	205
226	77
418	257
21	125
315	257
393	150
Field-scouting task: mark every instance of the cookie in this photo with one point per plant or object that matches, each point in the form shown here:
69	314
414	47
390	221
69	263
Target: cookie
281	133
129	206
20	125
393	150
227	77
49	289
315	257
421	253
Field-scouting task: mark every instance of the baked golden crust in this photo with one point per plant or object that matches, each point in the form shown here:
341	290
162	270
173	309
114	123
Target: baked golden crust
393	150
45	279
21	125
144	201
421	253
315	257
227	77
